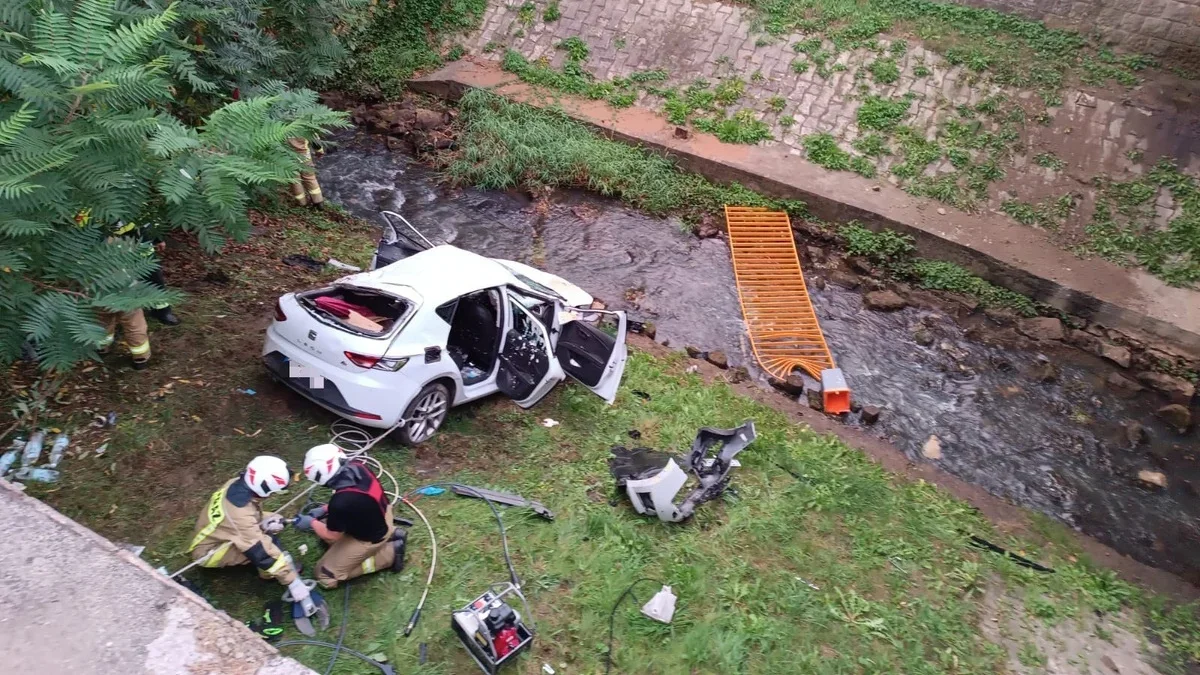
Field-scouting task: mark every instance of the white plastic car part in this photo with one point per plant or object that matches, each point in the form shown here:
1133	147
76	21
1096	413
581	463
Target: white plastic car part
656	494
662	606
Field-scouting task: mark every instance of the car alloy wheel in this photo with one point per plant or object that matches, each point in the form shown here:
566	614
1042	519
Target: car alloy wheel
427	414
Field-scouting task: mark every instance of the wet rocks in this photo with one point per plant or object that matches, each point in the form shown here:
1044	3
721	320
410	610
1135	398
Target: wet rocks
1122	385
1155	480
1177	389
861	265
707	228
923	336
682	133
718	359
870	414
1115	353
738	374
693	352
1136	434
844	279
815	254
1000	316
884	301
1041	328
1175	415
649	329
932	448
815	401
793	385
1083	340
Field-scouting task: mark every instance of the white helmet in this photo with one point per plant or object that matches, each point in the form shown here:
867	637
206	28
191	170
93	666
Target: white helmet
322	461
265	475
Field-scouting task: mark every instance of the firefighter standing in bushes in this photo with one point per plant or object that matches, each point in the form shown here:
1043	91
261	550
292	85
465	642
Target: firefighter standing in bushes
232	529
306	191
356	523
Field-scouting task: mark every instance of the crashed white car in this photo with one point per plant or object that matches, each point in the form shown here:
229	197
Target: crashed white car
401	344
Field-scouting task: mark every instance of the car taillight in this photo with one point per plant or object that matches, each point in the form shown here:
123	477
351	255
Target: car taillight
279	315
376	362
367	416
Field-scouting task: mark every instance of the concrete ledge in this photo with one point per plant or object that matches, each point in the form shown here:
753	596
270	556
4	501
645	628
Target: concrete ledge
71	601
991	246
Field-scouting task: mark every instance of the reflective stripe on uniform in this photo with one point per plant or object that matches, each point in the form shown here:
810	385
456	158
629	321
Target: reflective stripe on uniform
107	341
216	514
315	191
369	565
218	553
124	228
280	563
138	350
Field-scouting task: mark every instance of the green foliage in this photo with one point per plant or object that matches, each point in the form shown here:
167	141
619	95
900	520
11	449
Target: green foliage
402	38
822	149
862	166
777	103
86	143
898	48
552	12
922	71
1123	228
575	47
1049	160
800	66
1047	215
525	13
505	145
786	121
884	247
728	91
881	114
945	276
741	127
872	145
884	71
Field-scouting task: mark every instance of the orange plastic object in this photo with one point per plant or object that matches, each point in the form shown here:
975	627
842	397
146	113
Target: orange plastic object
784	332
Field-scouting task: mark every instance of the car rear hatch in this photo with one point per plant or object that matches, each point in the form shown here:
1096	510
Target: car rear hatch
344	324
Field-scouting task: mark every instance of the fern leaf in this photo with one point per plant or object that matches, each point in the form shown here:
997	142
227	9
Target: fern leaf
16	123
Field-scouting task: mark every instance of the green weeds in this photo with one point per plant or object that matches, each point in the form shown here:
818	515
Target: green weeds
882	114
872	145
741	127
506	145
884	71
1047	215
552	13
1049	160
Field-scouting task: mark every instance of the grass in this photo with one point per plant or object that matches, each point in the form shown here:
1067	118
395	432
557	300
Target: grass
1049	160
882	114
898	586
1122	227
741	127
896	251
552	13
504	145
403	38
1047	215
884	71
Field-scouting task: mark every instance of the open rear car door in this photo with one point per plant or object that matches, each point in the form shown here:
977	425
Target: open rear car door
528	369
592	356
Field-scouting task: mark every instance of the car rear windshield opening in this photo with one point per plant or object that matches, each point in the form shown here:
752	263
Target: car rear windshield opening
357	309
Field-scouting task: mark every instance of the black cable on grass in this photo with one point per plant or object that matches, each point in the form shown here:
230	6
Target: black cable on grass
612	619
383	667
342	631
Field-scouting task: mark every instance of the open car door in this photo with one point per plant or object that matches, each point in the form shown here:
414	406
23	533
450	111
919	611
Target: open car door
592	356
528	369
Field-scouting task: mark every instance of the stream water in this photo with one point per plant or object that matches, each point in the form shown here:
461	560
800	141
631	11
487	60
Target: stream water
1059	448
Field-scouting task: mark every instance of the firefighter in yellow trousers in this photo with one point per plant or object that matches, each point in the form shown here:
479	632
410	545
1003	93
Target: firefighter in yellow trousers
306	191
137	336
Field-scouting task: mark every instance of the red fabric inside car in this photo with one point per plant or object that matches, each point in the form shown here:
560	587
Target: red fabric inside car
340	308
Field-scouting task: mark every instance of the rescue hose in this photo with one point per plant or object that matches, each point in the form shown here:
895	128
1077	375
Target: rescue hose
416	615
203	559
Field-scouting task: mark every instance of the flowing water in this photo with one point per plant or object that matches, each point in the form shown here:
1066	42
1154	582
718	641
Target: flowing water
1059	448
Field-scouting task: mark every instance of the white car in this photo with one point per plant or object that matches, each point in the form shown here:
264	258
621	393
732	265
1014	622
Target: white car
401	344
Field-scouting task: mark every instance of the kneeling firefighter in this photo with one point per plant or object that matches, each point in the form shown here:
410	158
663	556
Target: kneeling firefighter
356	523
232	530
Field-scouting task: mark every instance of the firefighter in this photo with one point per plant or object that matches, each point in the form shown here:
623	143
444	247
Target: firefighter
232	530
162	312
356	523
306	191
137	336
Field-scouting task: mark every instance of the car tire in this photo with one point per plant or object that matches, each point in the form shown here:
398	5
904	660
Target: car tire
425	414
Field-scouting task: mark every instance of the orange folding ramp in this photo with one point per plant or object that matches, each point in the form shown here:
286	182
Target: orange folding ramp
784	332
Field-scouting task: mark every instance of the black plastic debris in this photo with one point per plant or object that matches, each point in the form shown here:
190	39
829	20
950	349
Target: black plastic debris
304	261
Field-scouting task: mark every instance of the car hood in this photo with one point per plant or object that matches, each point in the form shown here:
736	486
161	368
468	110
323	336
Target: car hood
572	294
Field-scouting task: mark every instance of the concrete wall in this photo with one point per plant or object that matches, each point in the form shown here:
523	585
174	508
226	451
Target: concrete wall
1169	29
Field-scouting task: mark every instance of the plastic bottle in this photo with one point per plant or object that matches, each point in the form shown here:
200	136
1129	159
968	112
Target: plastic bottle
7	460
39	474
33	449
57	450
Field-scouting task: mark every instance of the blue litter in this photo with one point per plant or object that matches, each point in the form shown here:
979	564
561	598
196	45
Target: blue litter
430	491
248	392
